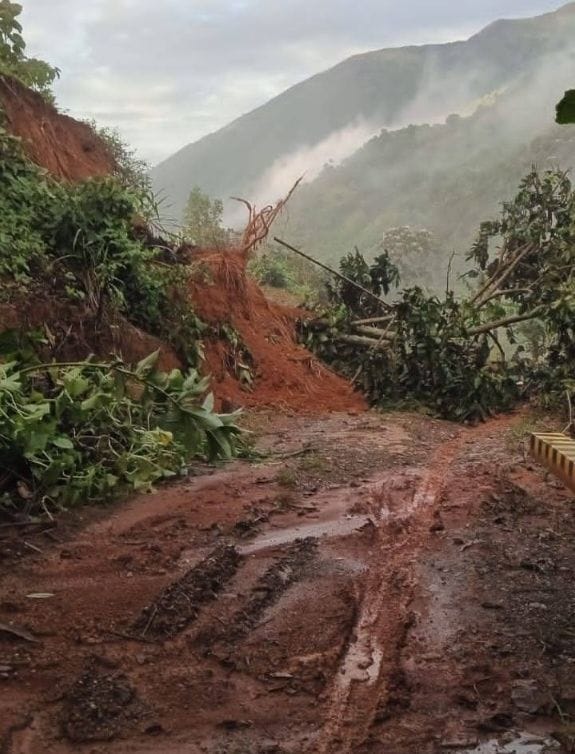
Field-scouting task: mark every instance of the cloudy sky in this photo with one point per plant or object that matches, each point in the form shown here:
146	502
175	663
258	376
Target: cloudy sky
166	72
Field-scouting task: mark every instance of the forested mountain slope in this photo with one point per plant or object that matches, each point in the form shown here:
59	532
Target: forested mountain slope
446	178
385	88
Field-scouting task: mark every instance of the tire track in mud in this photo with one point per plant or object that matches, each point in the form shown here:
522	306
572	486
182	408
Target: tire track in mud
318	666
361	687
270	588
181	602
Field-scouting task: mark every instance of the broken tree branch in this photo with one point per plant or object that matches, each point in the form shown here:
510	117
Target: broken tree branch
505	292
448	274
372	295
370	332
359	340
505	322
372	321
374	332
496	282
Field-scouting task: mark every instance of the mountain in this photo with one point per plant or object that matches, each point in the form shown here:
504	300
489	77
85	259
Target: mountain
386	88
446	178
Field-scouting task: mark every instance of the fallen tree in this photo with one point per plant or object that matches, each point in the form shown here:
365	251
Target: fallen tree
447	354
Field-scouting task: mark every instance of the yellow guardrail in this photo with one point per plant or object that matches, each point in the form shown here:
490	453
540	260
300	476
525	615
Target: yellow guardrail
556	451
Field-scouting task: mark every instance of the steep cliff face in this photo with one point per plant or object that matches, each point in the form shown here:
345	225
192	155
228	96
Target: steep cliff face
68	149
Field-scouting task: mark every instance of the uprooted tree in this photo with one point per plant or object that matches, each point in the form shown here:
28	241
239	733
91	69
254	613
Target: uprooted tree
465	357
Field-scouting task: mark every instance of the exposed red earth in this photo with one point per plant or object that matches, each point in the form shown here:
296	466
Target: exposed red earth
65	147
285	375
380	583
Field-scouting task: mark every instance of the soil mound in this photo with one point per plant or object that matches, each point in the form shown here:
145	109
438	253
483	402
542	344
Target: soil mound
68	149
283	374
73	333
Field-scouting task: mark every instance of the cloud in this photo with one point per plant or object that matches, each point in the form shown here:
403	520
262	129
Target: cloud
166	73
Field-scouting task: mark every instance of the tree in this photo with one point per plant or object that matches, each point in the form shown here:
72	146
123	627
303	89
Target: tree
203	220
33	73
566	108
415	253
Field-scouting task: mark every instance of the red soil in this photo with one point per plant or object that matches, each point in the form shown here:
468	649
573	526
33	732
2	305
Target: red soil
68	149
286	375
432	607
76	335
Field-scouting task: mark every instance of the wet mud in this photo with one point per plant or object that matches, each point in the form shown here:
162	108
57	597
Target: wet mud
376	583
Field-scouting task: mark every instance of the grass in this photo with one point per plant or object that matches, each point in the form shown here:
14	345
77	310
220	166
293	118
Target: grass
287	478
533	422
314	463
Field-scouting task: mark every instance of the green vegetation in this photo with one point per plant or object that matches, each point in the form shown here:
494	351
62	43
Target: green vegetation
78	242
203	220
131	171
566	108
445	178
277	268
445	353
33	73
88	430
272	269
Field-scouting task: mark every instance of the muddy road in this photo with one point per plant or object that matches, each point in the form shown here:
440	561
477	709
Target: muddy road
376	583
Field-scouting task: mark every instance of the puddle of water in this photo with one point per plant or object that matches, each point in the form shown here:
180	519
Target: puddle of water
337	528
523	744
388	495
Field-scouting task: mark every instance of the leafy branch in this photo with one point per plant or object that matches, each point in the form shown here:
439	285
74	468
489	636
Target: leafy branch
72	431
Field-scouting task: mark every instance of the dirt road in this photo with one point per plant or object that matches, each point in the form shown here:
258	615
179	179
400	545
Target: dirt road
377	583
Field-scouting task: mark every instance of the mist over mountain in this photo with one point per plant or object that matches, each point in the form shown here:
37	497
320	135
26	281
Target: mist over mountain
331	115
446	178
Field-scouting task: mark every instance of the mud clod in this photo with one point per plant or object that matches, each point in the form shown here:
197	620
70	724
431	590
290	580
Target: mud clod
99	707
